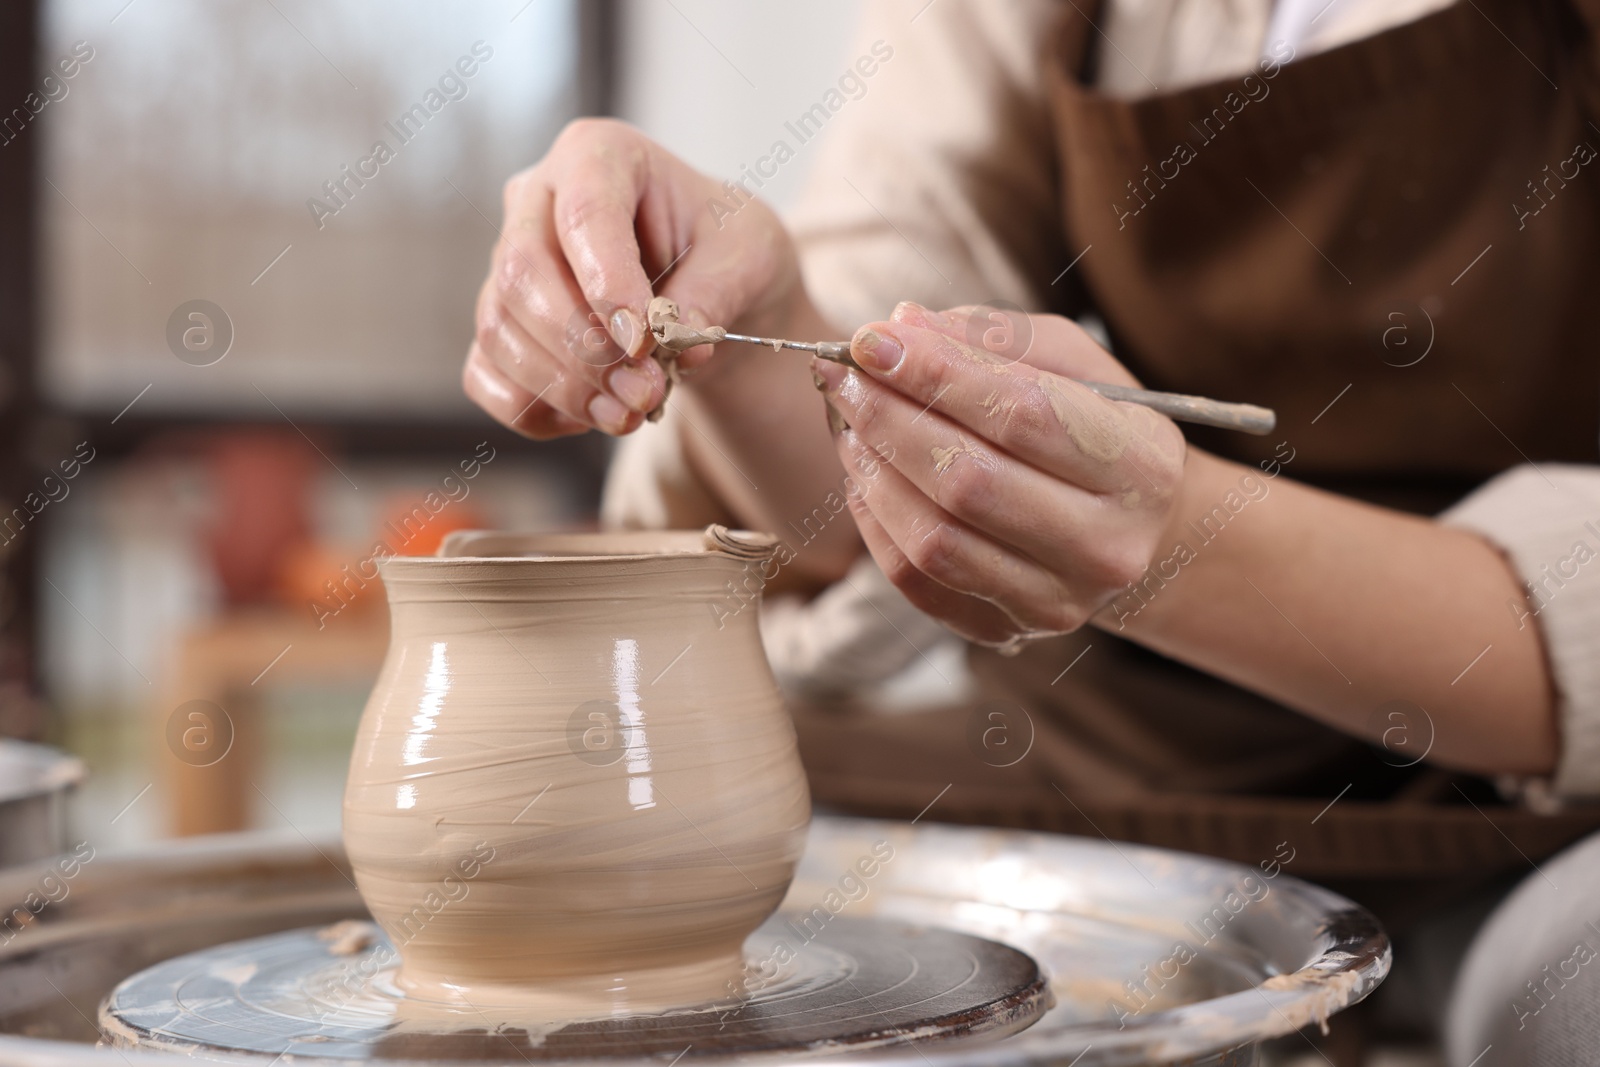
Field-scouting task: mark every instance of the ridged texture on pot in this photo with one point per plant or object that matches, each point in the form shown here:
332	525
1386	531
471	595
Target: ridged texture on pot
574	782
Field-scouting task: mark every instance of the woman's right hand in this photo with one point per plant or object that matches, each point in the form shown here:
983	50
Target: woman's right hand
561	344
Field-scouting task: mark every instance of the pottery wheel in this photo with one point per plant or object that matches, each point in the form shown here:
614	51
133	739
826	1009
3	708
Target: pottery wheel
860	983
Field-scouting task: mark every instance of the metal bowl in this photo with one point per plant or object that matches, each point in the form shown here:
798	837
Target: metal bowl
34	783
1154	957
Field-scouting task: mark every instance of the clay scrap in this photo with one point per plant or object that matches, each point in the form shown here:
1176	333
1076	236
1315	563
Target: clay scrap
673	335
672	339
741	544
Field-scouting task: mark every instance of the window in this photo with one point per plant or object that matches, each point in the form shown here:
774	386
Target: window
324	172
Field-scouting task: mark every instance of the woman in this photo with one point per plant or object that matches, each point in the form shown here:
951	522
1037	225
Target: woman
1375	218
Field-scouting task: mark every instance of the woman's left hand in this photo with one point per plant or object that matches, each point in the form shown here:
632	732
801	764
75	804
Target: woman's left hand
1000	495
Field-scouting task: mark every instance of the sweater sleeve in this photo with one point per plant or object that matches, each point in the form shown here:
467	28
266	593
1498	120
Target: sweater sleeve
939	184
1546	520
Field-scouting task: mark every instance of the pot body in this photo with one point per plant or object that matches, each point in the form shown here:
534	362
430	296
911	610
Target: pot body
574	784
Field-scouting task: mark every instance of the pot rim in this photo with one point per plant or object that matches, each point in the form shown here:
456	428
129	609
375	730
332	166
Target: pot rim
662	565
500	546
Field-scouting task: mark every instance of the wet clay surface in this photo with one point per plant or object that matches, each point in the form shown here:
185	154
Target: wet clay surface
574	785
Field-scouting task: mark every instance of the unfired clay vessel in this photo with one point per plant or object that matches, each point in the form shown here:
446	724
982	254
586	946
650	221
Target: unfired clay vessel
574	787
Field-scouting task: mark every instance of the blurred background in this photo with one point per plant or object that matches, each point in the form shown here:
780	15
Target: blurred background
232	332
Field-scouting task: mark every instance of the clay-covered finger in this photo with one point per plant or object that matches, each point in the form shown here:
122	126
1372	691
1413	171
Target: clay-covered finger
520	360
510	404
1064	527
1054	423
974	619
624	389
945	550
599	186
1048	342
533	282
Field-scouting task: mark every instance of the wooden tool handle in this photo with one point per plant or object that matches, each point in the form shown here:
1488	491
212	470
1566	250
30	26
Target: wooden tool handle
1248	418
1197	409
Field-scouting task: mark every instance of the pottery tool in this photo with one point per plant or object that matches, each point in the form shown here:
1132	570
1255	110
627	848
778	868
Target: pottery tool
674	337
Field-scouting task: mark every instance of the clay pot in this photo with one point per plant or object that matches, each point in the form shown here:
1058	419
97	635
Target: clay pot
575	785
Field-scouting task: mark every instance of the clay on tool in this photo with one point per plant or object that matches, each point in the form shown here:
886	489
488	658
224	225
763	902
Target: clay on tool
672	339
673	335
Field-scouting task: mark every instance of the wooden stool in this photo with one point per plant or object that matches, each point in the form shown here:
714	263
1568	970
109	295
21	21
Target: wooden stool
209	719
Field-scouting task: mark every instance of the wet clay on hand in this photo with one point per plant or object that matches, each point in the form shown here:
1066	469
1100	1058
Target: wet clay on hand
575	789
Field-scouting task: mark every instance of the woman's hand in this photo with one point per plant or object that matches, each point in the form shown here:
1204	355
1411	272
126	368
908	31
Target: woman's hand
997	493
561	344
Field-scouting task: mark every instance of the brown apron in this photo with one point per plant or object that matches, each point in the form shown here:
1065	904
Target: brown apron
1325	224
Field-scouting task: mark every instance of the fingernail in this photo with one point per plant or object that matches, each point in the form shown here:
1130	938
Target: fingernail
875	351
627	331
607	414
826	374
634	386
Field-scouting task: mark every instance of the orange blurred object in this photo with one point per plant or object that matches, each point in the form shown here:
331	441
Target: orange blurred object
313	577
410	529
326	581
